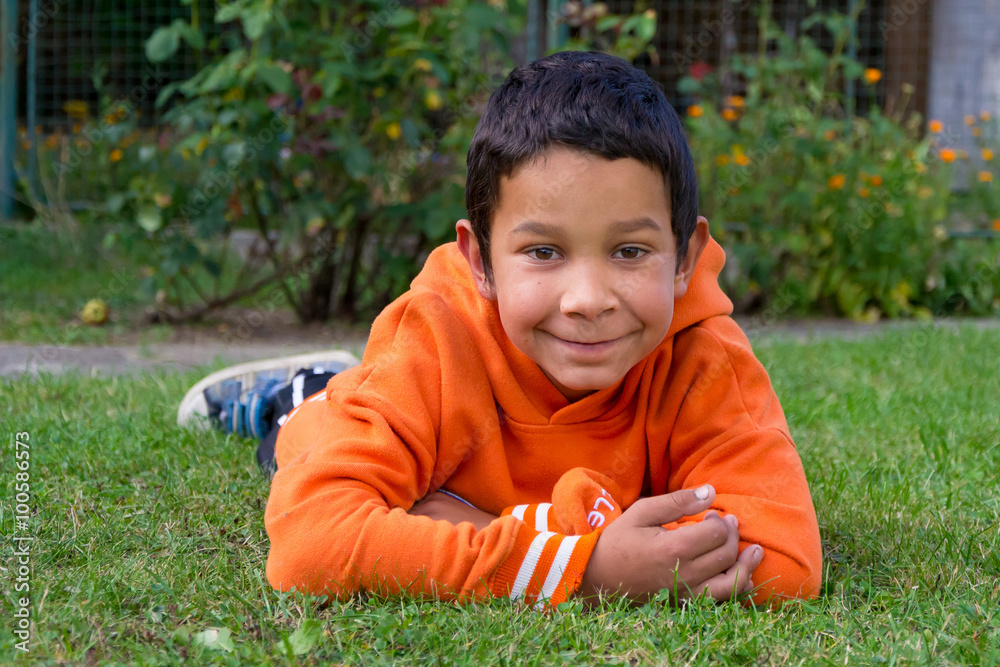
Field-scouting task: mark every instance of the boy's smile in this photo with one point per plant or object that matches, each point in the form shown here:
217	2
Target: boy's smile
584	265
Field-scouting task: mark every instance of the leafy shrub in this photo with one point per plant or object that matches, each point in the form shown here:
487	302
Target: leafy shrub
821	210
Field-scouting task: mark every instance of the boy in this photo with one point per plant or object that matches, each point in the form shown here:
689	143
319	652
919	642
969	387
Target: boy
571	356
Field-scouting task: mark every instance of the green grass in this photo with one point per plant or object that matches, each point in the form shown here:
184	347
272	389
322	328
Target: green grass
150	538
47	276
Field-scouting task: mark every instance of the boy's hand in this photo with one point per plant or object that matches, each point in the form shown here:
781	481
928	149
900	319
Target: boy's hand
441	506
636	557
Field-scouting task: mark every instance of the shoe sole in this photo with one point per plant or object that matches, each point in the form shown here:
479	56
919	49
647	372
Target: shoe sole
193	410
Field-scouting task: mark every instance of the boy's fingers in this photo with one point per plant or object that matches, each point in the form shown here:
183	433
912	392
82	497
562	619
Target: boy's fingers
734	581
716	558
658	510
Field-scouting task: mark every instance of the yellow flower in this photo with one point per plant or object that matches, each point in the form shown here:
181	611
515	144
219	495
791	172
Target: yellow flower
741	159
963	154
76	108
394	130
379	91
233	95
872	75
116	155
863	192
836	182
920	167
947	155
984	116
162	199
432	100
733	191
721	160
986	177
77	127
695	111
830	135
729	114
51	141
422	64
970	119
924	192
876	180
202	145
935	126
736	101
987	154
186	153
977	132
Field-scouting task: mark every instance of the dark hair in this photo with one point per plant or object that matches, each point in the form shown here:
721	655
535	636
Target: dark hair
587	101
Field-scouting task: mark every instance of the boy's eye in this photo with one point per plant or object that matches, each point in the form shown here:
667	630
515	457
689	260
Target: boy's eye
631	252
542	253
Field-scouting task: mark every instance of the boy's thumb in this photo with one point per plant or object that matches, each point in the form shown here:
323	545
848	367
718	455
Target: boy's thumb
670	507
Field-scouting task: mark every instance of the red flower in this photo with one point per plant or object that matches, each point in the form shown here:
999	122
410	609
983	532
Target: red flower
698	69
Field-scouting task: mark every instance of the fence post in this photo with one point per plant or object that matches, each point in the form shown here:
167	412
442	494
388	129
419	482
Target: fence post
8	106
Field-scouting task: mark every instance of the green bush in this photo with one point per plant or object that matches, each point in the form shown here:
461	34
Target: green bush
823	211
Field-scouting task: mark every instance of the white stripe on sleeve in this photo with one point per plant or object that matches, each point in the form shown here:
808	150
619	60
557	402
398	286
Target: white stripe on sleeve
518	512
527	568
559	563
542	516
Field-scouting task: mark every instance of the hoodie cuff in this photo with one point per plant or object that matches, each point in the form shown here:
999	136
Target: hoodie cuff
544	568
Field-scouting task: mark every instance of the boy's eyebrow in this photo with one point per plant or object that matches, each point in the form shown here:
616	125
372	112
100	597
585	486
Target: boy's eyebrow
529	227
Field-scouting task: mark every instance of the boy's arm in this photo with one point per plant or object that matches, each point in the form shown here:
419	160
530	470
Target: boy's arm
384	436
730	431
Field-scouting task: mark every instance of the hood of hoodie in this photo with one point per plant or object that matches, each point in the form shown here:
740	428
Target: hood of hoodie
521	389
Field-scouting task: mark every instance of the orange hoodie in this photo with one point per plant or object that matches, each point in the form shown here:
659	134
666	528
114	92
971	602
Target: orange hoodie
443	400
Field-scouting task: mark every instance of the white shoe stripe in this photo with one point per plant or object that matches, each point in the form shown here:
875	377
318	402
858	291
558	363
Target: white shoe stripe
559	563
298	383
527	568
282	418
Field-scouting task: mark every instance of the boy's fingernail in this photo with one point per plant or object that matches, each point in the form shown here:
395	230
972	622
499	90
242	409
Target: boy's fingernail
758	554
701	493
734	520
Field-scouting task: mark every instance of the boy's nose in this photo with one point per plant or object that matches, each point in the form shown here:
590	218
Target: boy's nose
588	291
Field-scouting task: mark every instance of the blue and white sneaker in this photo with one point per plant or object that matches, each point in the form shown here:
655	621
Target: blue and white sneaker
239	399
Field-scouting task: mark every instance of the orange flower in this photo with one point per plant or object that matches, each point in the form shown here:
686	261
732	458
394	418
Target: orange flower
116	155
963	154
872	75
729	114
830	135
935	126
721	160
977	132
876	180
77	128
947	155
924	192
970	119
987	154
741	159
736	101
996	225
863	192
733	191
836	182
986	177
695	111
984	116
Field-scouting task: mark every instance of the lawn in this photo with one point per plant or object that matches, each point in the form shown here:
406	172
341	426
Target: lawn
151	546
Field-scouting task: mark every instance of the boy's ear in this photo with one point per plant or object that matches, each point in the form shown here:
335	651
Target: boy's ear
469	247
696	245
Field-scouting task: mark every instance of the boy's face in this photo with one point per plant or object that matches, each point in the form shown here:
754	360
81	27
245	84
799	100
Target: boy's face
584	265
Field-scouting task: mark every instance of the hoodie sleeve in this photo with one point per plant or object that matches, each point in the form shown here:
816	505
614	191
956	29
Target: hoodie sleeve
730	431
372	446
